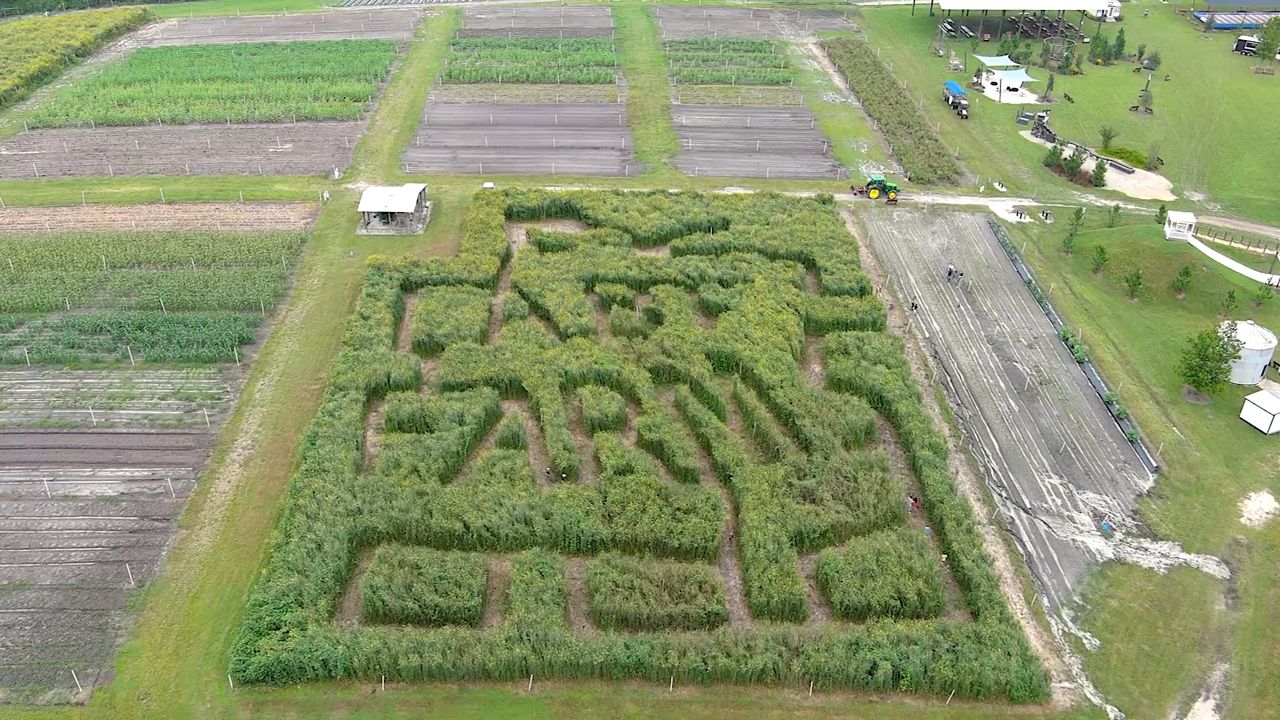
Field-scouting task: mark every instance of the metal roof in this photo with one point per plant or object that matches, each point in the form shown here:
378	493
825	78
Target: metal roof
1017	6
401	199
1266	401
1181	217
1251	335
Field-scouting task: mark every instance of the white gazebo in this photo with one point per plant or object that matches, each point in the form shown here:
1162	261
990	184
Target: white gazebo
1179	225
393	210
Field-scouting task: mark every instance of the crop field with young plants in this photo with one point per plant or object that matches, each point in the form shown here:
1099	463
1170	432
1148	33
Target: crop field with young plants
616	460
728	61
182	296
551	61
242	82
33	50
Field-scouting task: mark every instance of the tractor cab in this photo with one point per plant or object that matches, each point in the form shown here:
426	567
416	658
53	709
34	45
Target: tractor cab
876	187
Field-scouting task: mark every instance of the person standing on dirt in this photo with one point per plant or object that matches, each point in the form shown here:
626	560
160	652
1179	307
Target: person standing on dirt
951	271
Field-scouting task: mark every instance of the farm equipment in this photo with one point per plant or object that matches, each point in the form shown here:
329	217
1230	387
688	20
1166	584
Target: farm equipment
877	187
957	98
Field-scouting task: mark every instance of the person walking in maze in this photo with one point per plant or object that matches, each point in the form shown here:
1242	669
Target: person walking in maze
951	271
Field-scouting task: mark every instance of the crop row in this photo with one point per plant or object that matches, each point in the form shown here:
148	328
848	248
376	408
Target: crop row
186	337
265	82
531	61
34	50
887	101
728	62
75	251
742	259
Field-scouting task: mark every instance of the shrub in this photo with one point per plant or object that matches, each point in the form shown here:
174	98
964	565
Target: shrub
628	593
417	586
891	573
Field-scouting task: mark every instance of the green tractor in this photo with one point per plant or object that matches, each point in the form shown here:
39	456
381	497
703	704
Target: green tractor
877	187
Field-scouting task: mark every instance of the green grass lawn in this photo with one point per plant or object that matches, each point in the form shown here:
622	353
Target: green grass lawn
1217	124
1161	633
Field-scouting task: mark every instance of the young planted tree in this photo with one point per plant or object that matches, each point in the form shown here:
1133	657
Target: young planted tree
1181	282
1068	61
1108	135
1269	40
1077	219
1133	283
1099	259
1153	60
1072	163
1048	88
1053	158
1142	51
1229	304
1162	214
1117	46
1262	295
1206	362
1113	215
1099	49
1099	175
1069	242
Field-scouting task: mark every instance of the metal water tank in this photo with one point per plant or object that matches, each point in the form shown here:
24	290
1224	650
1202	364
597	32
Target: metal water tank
1257	346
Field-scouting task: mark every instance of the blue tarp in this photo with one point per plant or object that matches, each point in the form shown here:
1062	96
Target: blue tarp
954	88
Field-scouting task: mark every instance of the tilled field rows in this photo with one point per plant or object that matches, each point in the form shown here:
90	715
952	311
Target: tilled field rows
745	141
678	23
85	517
541	139
304	148
537	22
1051	454
397	24
161	216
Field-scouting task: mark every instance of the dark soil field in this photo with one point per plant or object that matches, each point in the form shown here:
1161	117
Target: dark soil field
536	139
745	141
305	148
392	24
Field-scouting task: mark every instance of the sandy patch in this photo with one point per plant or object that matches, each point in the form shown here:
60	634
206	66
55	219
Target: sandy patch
1142	184
1206	706
1257	508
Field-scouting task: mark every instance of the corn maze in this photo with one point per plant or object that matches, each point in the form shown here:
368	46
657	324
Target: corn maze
648	435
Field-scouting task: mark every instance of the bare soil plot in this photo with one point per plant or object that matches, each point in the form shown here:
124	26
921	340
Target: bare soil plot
564	139
536	22
696	22
161	216
1053	457
752	141
305	148
85	517
397	24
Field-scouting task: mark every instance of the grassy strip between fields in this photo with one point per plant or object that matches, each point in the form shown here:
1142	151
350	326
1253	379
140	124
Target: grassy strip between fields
648	95
400	109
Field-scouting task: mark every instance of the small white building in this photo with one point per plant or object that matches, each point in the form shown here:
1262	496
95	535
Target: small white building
1262	410
386	210
1179	225
1257	347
